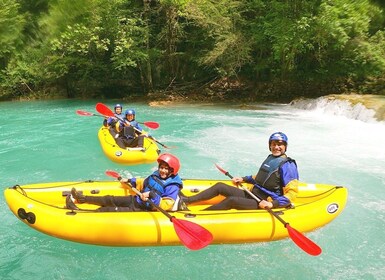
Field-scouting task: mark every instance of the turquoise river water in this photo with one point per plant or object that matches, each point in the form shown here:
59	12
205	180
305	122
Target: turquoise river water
45	141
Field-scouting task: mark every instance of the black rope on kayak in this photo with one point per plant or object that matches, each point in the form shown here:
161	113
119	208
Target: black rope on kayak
53	187
278	211
106	140
152	142
319	194
19	189
190	214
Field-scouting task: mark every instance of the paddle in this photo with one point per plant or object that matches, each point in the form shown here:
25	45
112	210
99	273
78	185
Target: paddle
192	235
301	240
149	124
104	110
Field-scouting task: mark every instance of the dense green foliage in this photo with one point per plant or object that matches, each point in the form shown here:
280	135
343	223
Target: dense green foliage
117	48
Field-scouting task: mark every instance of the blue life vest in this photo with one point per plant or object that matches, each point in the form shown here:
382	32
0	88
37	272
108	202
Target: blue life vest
155	183
119	116
268	175
129	131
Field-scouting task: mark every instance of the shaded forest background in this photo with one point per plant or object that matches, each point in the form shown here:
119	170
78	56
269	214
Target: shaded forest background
249	49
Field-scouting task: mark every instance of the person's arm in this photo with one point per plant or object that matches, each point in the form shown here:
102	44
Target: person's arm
133	183
111	121
119	126
237	181
248	179
290	178
167	200
138	129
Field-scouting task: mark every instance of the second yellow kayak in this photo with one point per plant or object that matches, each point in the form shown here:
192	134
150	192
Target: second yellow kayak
129	156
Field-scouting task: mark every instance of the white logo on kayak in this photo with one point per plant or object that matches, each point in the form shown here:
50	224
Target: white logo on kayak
332	208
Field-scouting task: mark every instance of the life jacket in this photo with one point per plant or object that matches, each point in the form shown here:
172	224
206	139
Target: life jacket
268	175
129	131
155	183
119	116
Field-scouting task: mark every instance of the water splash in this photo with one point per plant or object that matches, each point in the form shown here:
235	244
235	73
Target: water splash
364	108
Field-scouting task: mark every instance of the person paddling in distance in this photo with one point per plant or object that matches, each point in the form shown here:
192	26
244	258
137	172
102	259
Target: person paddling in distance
130	132
111	122
276	183
162	187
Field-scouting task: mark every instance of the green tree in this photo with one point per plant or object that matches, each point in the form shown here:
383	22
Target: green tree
226	47
117	47
11	30
83	47
342	39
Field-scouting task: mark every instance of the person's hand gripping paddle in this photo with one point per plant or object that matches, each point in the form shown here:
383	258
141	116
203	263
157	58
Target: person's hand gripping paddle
298	238
192	235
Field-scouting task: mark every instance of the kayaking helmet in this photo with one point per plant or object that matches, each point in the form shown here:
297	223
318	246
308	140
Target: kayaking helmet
118	106
171	160
278	136
129	112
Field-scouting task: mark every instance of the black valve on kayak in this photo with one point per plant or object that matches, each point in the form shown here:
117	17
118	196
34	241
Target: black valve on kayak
29	217
190	215
21	213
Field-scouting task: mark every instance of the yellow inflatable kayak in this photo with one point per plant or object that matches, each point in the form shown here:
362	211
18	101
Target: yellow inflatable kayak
42	207
132	155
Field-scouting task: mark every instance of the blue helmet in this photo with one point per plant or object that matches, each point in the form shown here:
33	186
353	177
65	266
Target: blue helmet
129	112
118	106
278	136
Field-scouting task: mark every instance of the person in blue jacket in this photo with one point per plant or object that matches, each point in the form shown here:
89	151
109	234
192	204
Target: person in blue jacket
111	122
276	183
130	132
162	187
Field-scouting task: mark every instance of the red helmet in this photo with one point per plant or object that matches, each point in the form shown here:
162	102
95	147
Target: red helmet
171	160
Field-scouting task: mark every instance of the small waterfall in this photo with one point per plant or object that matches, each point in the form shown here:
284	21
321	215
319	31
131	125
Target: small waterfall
345	105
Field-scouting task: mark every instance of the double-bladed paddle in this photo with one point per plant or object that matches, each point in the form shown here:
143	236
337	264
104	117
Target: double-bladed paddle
149	124
104	110
298	238
192	235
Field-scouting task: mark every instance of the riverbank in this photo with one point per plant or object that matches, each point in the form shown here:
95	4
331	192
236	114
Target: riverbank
246	92
242	93
365	107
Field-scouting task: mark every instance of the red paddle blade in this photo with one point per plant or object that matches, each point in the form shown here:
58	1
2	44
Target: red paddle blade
104	110
220	169
192	235
152	125
83	113
303	242
112	174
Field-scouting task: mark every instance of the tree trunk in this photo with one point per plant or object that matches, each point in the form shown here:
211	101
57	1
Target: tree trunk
148	69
